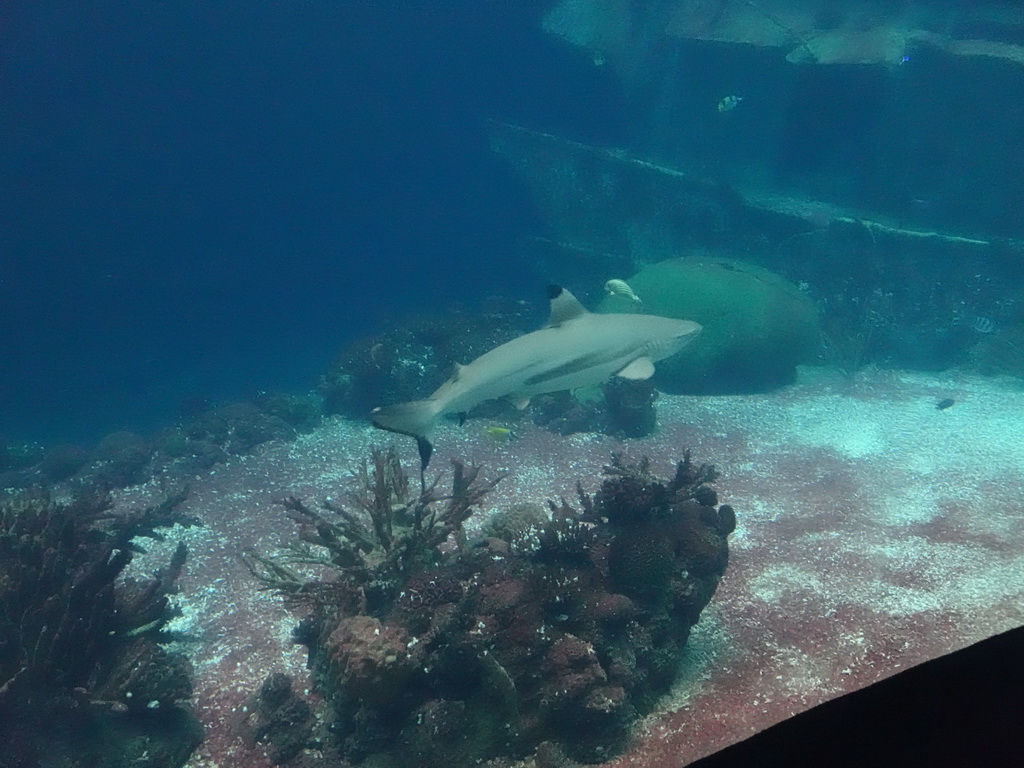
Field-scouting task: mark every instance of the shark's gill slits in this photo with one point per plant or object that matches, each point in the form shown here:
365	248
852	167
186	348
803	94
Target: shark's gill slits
660	349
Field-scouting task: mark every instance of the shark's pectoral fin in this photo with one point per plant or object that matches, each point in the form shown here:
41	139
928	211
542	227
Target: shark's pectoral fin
519	401
641	368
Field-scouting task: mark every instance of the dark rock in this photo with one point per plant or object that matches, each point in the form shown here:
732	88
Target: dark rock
278	717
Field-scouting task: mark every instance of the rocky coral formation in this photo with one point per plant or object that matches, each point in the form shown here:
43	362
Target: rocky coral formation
205	435
84	680
278	717
757	326
429	651
211	434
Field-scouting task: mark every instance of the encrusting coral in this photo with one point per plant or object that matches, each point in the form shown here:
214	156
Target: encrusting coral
430	650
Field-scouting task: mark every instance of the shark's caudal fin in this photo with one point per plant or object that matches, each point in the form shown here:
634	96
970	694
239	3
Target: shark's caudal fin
415	418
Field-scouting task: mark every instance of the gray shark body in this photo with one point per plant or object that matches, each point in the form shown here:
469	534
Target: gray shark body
575	349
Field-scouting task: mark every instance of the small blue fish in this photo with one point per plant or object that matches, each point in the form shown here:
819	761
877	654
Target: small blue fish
729	103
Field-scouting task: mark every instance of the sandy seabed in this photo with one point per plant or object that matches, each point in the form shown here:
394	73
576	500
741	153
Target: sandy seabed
875	532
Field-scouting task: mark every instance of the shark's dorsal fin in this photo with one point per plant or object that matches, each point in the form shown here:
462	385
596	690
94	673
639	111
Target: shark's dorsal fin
564	306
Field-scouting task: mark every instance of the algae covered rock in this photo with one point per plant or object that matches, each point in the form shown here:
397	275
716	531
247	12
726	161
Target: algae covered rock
757	325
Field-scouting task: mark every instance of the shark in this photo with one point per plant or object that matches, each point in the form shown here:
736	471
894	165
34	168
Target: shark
576	348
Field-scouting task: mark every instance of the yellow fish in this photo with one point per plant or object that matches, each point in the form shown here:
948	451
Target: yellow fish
499	434
621	288
729	103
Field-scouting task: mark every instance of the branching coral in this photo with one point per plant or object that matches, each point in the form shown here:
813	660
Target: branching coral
79	645
397	533
451	656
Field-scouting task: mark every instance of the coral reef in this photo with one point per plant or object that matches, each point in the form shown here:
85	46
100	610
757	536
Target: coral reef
432	651
119	460
619	407
566	413
212	434
61	462
206	435
84	680
629	407
410	361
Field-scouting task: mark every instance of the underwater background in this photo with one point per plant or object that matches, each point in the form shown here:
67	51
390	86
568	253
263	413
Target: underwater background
209	199
201	201
229	231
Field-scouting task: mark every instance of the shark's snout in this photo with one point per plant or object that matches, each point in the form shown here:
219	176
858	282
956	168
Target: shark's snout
684	333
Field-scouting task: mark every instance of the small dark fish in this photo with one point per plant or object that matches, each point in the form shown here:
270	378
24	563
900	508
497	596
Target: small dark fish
945	403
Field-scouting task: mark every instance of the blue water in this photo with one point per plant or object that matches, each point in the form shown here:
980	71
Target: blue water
210	198
206	199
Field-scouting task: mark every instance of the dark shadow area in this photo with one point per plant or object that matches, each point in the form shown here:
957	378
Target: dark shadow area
961	709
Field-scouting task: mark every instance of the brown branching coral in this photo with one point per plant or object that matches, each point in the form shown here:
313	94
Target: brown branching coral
632	494
78	643
392	533
562	634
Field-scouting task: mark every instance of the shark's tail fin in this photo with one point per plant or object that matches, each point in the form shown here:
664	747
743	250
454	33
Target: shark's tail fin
415	418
